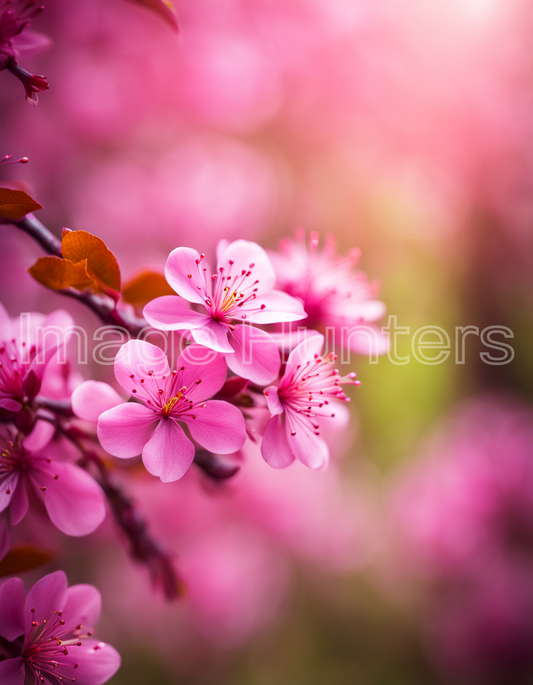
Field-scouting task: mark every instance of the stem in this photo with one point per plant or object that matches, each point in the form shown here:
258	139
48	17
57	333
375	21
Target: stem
34	228
107	312
143	547
62	407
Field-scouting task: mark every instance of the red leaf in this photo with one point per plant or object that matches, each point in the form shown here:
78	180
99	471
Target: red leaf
14	204
145	287
23	558
56	273
102	264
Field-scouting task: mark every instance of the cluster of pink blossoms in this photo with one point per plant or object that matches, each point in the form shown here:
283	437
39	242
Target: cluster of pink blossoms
221	311
34	461
231	383
251	378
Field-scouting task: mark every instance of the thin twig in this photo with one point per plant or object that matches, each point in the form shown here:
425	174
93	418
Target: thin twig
143	547
103	308
31	225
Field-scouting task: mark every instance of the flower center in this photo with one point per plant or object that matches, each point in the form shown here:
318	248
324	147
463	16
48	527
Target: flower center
229	290
47	645
167	408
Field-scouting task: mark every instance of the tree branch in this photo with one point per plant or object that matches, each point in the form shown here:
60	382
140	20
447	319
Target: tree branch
104	309
31	225
143	547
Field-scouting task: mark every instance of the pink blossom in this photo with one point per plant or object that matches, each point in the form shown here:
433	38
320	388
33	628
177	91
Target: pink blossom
241	290
462	521
47	636
151	425
92	398
303	398
33	467
469	500
333	292
15	17
27	345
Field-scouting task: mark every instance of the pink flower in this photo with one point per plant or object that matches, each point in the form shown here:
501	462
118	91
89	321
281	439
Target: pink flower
151	425
47	636
333	292
33	83
468	502
241	290
15	17
34	467
301	400
462	522
27	345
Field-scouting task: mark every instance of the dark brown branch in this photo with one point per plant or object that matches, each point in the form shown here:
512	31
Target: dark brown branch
33	227
143	547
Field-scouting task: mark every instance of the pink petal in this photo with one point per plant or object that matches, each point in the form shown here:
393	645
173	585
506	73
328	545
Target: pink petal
12	596
256	355
31	41
19	503
48	342
213	335
74	501
274	403
171	313
83	605
366	339
244	253
219	427
40	436
9	405
275	446
8	487
355	312
185	276
204	365
92	398
97	662
302	353
138	358
12	671
278	306
5	539
60	320
169	453
307	447
47	595
222	246
124	430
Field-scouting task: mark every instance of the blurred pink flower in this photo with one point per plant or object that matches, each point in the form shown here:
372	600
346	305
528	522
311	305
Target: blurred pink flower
481	634
27	345
238	543
303	397
240	290
15	17
469	502
151	426
462	520
333	292
47	636
35	467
